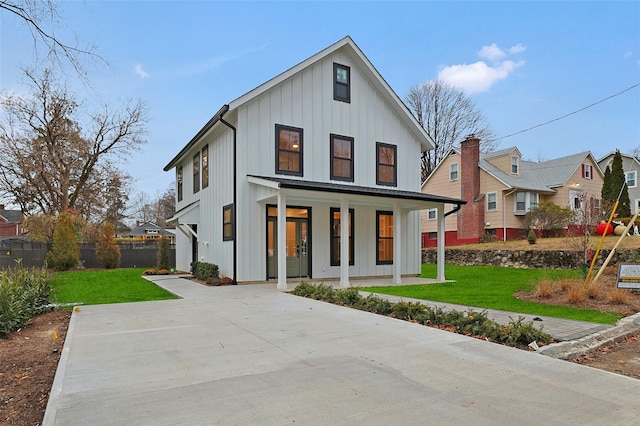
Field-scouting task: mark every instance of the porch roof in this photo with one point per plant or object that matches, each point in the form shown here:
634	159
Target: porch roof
337	188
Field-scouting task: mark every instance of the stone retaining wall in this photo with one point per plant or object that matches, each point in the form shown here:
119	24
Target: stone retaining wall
549	259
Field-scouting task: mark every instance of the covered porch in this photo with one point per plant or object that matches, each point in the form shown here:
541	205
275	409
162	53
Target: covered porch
397	204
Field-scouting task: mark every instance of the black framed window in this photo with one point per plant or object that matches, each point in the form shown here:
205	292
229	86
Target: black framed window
335	236
386	170
288	150
384	235
196	172
205	166
227	223
341	83
179	182
341	158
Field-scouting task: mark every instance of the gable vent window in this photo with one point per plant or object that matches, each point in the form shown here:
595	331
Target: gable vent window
587	171
341	83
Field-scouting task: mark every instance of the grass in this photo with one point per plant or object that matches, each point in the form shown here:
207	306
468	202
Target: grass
492	287
96	287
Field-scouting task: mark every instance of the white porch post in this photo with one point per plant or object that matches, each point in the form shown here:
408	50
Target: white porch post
282	241
440	249
397	244
344	242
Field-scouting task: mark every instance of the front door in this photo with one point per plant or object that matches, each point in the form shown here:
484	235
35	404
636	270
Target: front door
297	242
297	259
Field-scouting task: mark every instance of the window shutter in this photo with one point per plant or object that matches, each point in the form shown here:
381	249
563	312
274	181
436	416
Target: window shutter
583	170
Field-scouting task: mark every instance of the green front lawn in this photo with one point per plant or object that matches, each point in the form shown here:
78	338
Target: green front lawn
492	287
96	287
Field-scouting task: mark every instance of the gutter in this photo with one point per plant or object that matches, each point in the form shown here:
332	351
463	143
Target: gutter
223	110
455	210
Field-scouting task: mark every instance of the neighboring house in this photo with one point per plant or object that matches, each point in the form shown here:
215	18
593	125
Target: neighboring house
261	189
11	222
631	167
151	231
500	188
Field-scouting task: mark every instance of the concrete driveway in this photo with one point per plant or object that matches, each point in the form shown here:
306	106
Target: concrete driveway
252	355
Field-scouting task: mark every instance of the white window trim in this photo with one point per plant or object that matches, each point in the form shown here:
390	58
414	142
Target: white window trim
587	171
429	211
517	164
496	201
635	178
457	172
527	202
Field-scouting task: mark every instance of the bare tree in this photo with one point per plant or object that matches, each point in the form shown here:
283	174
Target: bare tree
448	116
158	209
41	18
51	162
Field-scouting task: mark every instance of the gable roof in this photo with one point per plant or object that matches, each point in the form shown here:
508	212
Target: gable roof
501	153
11	216
541	176
364	65
150	226
609	156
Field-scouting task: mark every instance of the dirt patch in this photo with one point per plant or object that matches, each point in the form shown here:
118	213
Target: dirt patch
28	361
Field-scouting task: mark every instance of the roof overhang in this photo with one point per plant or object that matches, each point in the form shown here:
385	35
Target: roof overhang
411	200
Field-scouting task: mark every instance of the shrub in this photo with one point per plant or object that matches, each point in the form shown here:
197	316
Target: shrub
576	294
619	296
150	272
66	253
163	254
107	251
23	294
471	323
544	289
203	270
595	290
531	237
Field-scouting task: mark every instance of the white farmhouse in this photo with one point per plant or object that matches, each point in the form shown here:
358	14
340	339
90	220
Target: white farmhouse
263	187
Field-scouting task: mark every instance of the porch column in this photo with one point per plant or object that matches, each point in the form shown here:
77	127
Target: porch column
344	242
397	244
282	241
440	249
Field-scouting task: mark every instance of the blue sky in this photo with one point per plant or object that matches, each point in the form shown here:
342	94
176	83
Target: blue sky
522	63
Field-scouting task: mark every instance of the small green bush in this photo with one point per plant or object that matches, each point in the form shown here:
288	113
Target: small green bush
470	323
531	237
66	253
203	270
23	294
163	253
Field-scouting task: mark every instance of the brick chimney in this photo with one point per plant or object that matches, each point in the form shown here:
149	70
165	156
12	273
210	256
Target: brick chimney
471	215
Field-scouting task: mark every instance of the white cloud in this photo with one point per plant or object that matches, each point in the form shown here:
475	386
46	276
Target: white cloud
518	48
477	77
492	53
140	71
628	54
481	76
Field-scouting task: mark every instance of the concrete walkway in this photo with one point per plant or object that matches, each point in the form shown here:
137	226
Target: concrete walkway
252	355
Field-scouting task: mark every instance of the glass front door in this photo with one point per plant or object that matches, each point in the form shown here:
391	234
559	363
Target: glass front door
296	245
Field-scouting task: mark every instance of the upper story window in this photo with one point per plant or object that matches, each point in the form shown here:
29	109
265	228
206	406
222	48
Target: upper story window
179	182
288	150
587	171
492	201
432	214
335	236
515	165
341	83
384	234
341	158
631	179
205	166
453	171
196	172
386	170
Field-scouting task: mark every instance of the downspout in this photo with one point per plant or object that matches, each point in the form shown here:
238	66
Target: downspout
455	209
504	214
235	195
